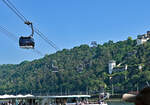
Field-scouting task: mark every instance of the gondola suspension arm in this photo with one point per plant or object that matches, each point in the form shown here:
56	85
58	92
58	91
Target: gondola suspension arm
30	23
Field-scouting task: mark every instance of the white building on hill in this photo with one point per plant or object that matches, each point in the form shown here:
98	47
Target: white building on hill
111	65
143	38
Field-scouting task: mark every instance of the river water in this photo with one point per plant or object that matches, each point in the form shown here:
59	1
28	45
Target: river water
119	103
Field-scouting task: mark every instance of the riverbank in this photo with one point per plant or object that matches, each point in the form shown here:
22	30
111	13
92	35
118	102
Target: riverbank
114	100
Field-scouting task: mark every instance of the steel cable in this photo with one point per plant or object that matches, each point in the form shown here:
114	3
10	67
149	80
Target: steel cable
14	38
16	11
9	34
25	19
46	39
8	3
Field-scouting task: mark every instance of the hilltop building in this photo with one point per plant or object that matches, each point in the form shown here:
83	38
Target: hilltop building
143	38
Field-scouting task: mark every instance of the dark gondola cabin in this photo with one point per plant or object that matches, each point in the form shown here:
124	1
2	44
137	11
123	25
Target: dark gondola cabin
26	42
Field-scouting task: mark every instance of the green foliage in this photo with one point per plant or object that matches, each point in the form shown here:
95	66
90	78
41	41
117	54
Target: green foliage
82	68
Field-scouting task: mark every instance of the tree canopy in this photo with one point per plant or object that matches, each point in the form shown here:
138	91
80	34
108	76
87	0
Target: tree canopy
80	69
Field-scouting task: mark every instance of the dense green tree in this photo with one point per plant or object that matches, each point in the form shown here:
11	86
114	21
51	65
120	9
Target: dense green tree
82	68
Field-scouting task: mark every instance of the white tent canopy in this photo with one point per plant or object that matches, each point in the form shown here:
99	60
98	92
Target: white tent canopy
6	96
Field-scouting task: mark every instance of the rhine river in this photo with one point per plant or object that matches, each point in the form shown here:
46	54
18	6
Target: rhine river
119	103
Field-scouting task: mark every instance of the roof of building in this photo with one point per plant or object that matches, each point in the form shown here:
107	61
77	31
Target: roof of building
29	96
66	96
112	61
6	96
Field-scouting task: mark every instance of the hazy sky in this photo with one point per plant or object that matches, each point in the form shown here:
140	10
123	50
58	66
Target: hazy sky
70	23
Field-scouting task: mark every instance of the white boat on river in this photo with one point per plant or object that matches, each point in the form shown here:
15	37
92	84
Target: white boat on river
48	100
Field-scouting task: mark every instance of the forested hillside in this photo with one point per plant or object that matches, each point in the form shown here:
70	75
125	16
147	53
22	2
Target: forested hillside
80	69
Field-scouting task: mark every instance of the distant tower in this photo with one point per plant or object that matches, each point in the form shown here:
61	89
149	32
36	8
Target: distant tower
111	65
94	44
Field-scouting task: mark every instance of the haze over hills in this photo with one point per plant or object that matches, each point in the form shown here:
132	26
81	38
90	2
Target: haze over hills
82	68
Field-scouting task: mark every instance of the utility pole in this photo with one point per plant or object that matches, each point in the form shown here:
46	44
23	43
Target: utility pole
112	89
112	86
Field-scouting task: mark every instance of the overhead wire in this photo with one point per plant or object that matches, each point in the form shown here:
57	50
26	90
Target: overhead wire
38	52
9	34
14	38
14	9
37	31
46	39
25	19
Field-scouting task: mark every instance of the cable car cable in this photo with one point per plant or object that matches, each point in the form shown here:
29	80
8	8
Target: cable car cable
9	34
23	17
38	52
46	39
15	10
14	38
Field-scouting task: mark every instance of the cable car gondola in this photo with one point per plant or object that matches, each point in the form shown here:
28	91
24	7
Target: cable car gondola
27	42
